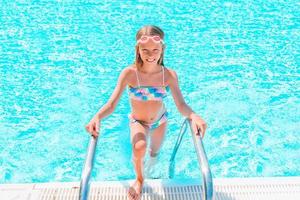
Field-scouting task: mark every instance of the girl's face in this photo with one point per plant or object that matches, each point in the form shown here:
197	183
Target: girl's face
150	52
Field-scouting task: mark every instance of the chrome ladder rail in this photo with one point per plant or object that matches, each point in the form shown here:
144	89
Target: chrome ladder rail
86	172
208	191
178	142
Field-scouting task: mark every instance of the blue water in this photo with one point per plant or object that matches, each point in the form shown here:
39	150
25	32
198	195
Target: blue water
238	67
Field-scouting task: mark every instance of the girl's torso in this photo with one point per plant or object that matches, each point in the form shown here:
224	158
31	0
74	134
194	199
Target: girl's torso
146	93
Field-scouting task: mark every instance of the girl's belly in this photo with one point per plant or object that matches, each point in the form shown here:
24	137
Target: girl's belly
147	111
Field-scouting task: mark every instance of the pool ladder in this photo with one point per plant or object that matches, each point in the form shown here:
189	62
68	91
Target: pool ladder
207	187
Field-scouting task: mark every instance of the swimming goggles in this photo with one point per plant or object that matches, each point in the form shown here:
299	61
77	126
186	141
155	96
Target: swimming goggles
145	38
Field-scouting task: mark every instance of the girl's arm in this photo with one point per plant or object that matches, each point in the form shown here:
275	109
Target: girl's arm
93	126
111	104
183	108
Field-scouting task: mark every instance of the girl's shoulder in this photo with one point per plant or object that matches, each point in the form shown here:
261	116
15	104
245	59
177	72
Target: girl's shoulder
129	72
168	69
171	76
128	69
170	72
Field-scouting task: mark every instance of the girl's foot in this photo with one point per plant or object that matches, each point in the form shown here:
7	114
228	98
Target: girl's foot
135	190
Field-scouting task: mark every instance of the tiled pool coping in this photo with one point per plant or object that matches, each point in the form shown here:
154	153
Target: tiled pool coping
225	188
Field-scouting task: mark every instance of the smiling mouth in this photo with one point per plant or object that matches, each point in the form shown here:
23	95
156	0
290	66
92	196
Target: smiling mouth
150	60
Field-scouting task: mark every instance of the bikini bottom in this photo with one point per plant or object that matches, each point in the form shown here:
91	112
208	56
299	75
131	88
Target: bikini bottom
153	125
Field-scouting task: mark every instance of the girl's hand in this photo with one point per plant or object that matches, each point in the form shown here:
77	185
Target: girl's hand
198	123
93	127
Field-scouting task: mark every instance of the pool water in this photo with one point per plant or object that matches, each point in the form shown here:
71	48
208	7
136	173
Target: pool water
237	63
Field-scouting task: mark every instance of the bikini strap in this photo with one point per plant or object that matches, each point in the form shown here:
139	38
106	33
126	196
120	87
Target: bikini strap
163	75
137	77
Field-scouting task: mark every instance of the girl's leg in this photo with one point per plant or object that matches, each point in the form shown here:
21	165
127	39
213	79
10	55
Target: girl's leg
157	136
139	143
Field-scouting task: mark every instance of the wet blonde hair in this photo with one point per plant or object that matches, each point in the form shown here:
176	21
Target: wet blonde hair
148	30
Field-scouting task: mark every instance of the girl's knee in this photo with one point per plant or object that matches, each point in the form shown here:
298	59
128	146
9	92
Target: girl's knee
140	145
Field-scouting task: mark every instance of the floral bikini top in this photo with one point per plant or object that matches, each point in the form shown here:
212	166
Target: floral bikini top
146	93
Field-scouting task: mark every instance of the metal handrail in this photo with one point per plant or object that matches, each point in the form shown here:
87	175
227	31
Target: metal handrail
178	142
86	172
208	191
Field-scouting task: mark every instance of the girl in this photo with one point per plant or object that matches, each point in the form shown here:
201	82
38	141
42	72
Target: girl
148	82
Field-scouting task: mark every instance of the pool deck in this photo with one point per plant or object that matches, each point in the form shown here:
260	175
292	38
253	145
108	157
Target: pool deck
287	188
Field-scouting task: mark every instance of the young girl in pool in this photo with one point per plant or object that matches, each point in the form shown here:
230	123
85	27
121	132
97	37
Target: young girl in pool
148	82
